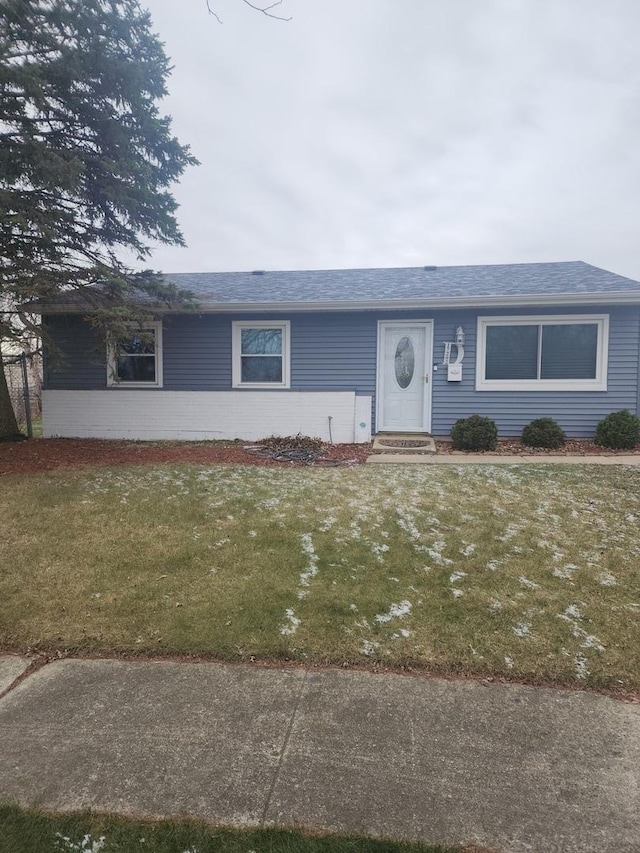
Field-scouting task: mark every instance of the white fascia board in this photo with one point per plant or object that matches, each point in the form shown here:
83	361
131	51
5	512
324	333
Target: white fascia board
538	301
411	304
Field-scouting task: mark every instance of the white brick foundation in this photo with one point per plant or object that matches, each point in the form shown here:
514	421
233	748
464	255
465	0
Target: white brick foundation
202	415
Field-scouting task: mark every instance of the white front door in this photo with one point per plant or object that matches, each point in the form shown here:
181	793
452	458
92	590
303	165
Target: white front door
404	376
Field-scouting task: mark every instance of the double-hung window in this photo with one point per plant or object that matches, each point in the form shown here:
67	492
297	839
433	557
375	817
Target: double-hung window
261	354
543	353
135	361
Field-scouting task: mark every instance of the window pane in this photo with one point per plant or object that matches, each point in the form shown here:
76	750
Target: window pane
139	344
261	341
261	368
404	362
137	368
569	351
512	352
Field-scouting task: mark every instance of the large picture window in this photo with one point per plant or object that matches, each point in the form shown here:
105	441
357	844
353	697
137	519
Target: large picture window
546	353
261	354
137	359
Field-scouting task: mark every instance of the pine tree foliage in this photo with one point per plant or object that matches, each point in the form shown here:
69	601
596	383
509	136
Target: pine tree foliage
86	157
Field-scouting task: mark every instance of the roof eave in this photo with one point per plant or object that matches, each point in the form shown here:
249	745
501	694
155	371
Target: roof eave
411	304
534	300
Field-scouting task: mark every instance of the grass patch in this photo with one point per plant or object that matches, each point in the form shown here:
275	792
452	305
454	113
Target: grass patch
527	572
36	427
23	831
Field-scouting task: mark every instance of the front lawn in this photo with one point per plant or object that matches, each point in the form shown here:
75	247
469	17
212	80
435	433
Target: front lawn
526	572
23	831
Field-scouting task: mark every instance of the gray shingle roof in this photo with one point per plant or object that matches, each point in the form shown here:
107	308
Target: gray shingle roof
571	282
408	283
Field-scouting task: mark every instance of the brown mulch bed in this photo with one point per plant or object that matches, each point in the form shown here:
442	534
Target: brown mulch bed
514	447
51	454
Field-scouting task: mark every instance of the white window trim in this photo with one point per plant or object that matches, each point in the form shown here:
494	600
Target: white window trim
112	356
602	355
237	327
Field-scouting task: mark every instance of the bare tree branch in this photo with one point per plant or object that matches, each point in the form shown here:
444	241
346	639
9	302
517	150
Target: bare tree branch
211	12
266	10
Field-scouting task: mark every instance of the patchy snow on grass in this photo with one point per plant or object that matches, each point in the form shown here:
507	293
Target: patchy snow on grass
510	532
294	622
401	633
468	550
564	572
572	615
522	629
492	565
457	593
591	642
379	550
509	662
572	612
581	667
607	579
312	567
368	647
86	845
396	611
435	554
527	583
454	577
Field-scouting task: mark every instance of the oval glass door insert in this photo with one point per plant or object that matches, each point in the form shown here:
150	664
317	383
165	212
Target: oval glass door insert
405	362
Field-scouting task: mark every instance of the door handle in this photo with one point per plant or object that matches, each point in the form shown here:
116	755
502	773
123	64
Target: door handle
426	377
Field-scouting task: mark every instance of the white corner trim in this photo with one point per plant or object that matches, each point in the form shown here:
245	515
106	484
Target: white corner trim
236	338
362	424
599	383
113	382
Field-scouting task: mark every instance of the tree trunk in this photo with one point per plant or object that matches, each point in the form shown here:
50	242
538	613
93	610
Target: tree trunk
8	423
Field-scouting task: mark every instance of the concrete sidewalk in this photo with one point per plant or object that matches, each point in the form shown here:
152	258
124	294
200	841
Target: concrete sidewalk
515	768
500	459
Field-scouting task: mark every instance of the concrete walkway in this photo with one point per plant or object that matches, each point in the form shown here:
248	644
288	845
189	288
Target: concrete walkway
499	459
515	768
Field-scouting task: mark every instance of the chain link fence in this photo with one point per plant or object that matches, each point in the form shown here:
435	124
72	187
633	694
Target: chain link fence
24	378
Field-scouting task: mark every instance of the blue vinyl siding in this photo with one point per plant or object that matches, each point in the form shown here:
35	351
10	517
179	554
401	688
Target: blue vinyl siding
80	362
577	412
328	351
334	350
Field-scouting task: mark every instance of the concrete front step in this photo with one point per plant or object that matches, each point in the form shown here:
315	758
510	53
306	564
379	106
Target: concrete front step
403	443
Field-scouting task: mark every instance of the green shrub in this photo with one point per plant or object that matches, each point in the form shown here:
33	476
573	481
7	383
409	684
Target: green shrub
619	431
543	432
474	433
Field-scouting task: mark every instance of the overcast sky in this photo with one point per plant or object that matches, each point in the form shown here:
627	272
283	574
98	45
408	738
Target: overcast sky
369	133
